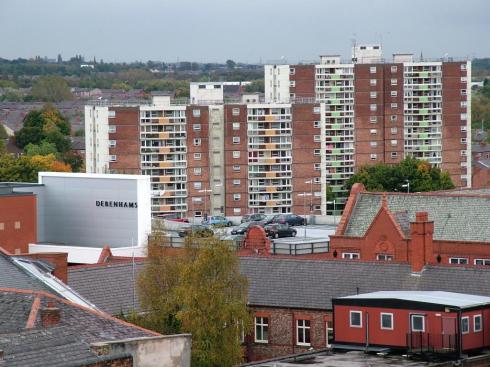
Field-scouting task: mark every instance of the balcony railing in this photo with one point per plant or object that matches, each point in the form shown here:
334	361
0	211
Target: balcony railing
420	342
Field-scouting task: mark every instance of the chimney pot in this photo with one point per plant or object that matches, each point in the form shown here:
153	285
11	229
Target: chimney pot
50	316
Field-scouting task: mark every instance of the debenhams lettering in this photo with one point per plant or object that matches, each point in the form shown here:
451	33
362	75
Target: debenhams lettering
116	204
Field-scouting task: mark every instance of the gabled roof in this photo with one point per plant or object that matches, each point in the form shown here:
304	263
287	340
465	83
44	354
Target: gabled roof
457	215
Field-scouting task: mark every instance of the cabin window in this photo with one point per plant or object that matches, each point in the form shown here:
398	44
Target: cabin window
465	325
355	319
418	323
477	326
386	321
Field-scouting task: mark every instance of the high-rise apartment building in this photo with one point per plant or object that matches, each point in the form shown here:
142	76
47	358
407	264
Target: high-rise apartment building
294	149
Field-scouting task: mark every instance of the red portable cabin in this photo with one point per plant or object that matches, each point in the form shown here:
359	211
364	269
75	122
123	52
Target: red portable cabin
420	321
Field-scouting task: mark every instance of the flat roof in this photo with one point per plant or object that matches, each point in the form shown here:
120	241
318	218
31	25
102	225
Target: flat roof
94	175
301	240
460	300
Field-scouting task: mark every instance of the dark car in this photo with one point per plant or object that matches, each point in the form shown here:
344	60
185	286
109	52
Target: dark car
277	230
196	230
291	219
252	218
243	228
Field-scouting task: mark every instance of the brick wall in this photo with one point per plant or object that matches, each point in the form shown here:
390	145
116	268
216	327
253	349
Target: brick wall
118	362
127	138
18	222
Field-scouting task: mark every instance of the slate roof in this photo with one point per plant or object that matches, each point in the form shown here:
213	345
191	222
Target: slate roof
14	277
65	344
293	283
457	216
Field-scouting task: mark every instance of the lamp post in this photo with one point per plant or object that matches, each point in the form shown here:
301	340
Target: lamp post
304	195
407	185
207	191
334	216
311	193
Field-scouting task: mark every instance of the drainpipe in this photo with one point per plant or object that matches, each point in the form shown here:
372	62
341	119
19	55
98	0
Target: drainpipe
460	336
367	331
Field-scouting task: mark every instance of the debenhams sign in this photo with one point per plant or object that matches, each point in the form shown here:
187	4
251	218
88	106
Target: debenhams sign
116	204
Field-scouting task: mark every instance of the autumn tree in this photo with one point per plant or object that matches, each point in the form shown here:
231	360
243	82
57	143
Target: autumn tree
51	88
26	169
198	291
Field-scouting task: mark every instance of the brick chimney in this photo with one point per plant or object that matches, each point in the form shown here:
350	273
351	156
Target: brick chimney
421	242
50	315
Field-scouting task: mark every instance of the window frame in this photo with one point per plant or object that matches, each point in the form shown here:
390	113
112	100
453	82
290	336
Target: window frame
465	320
306	332
351	312
262	325
412	316
391	321
459	261
480	329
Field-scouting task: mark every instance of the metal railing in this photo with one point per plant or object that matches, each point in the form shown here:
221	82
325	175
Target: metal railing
420	342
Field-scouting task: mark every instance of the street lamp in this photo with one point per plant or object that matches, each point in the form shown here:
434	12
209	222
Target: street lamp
304	195
407	185
311	193
334	216
207	191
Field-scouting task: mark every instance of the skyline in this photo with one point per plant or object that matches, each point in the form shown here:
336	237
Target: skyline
250	32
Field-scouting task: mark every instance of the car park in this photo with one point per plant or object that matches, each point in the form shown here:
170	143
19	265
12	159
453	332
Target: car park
173	218
196	230
218	221
277	230
253	218
243	228
291	219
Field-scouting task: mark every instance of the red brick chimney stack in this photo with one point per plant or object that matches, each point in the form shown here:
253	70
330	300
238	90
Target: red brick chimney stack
421	243
50	315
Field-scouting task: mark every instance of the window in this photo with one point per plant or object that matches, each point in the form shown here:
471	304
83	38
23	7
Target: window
394	69
372	107
394	143
316	109
197	156
196	113
292	83
355	318
236	126
237	197
197	142
316	124
261	327
235	112
292	71
2	226
113	158
394	93
329	333
418	323
458	260
386	321
477	261
394	106
372	82
236	154
317	167
464	116
384	257
463	153
463	128
197	171
112	114
394	155
17	224
393	118
112	143
463	140
477	326
196	127
373	131
236	168
373	119
316	138
394	81
317	180
303	332
374	157
316	152
464	79
394	130
236	182
373	94
112	128
198	185
465	325
236	140
237	210
372	69
463	92
351	255
373	144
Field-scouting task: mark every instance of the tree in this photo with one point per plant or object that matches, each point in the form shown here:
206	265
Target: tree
51	89
25	169
45	148
230	64
419	174
198	291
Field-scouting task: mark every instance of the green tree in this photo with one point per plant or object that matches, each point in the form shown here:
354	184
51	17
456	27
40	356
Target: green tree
419	174
3	132
198	291
51	88
25	169
44	148
257	86
230	64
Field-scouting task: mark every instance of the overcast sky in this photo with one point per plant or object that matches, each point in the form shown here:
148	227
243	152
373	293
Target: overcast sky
242	30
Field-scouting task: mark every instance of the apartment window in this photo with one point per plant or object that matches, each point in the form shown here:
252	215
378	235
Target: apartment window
237	197
373	144
303	332
464	104
236	126
463	140
316	152
351	255
372	107
292	95
196	127
465	325
373	157
196	113
476	262
236	154
463	66
17	224
386	321
477	325
112	128
197	142
394	143
463	128
393	118
373	119
355	319
292	83
464	116
394	81
197	171
373	131
237	211
394	106
236	168
464	79
394	155
113	158
197	185
372	82
458	260
316	109
418	323
197	156
384	257
373	94
316	124
236	182
112	143
394	69
394	130
463	92
112	114
316	138
372	69
292	71
317	180
235	112
463	153
261	327
236	140
2	226
317	167
394	93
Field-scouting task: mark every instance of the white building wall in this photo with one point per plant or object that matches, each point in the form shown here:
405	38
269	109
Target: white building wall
205	93
276	83
97	139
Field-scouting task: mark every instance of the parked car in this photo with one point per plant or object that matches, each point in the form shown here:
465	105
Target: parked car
252	218
218	221
291	219
277	230
243	228
196	230
173	218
